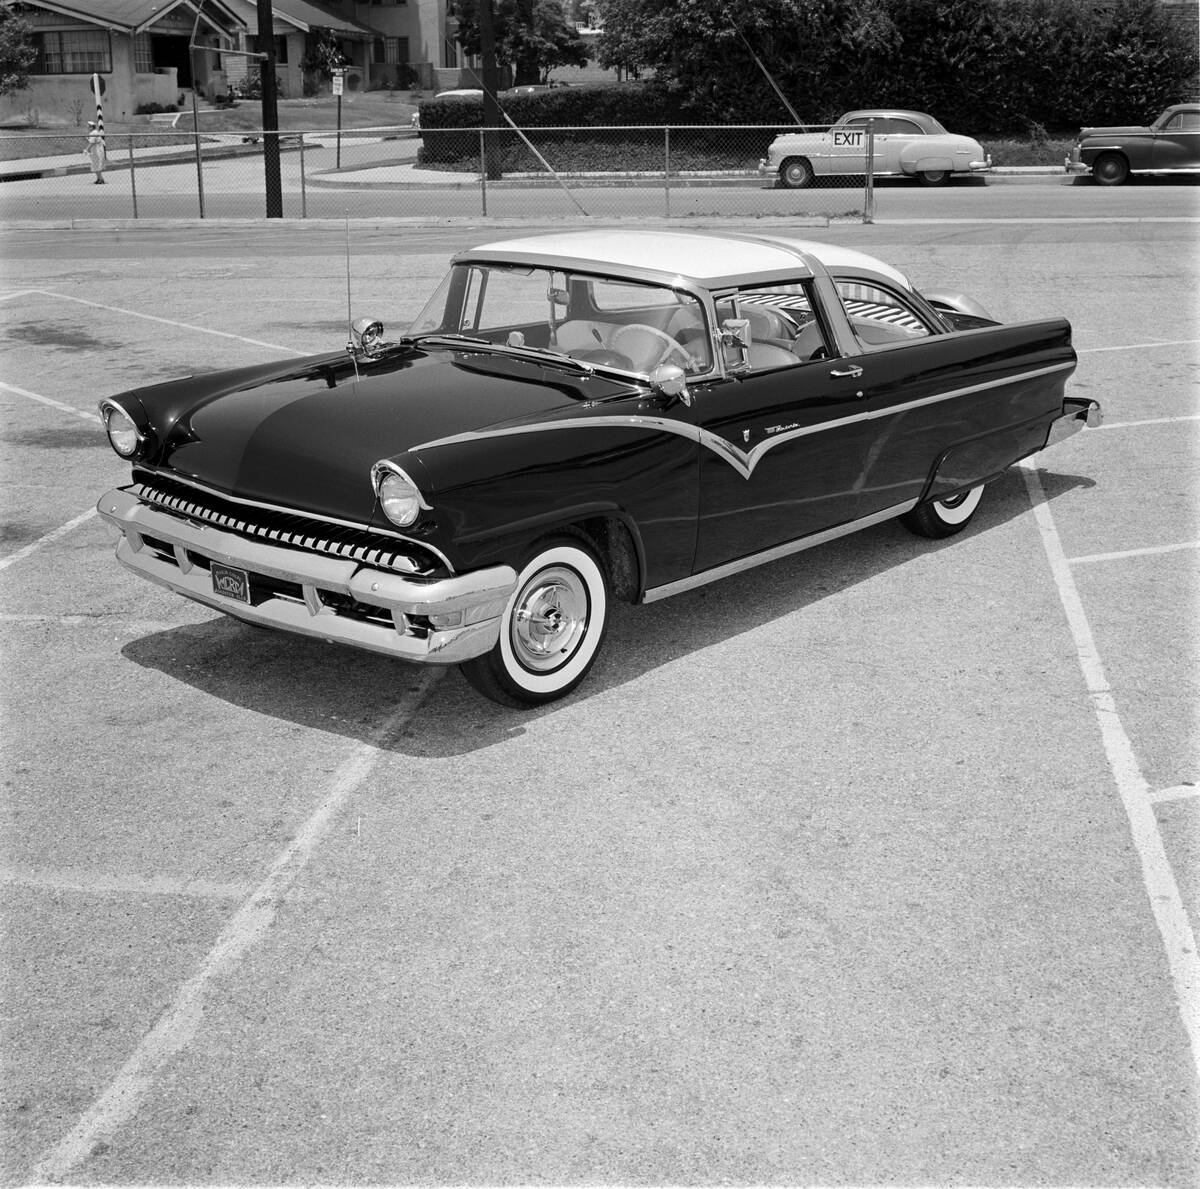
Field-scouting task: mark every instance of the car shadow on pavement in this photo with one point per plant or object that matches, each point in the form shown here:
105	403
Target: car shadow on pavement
349	692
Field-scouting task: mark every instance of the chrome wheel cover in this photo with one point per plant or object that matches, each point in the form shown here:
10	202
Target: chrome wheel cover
550	619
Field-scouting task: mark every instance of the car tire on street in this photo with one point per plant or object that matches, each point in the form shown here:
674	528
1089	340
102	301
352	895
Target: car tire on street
795	174
552	627
943	518
1110	169
933	177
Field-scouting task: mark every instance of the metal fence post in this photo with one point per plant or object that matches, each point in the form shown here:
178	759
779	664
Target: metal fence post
482	172
667	171
869	194
199	163
303	192
132	177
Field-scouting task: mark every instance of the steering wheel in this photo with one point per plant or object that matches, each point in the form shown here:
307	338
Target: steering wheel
670	346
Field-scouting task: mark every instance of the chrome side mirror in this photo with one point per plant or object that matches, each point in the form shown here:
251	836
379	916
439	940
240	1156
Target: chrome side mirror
735	332
366	335
669	379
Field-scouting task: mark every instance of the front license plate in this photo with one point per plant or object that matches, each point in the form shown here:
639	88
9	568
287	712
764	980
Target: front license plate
233	584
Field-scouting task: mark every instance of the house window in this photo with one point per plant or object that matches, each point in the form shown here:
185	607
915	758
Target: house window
143	54
396	50
82	51
281	44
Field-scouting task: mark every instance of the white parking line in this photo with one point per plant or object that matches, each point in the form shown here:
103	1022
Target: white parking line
1173	925
178	1024
1177	792
1138	346
17	293
51	402
98	305
104	884
48	539
1149	421
1150	549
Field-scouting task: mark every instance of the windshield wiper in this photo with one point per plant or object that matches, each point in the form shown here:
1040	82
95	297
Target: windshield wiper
439	335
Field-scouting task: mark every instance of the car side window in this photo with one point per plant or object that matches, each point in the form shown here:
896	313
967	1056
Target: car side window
879	316
781	329
1184	121
906	127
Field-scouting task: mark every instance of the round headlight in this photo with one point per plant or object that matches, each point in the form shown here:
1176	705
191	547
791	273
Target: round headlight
399	498
123	435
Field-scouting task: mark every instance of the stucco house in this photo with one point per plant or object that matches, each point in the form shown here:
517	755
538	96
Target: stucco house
138	47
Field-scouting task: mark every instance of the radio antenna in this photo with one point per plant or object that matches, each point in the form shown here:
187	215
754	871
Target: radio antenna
349	303
759	63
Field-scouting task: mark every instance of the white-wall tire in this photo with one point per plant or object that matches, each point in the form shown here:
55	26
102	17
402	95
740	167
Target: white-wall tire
944	518
552	628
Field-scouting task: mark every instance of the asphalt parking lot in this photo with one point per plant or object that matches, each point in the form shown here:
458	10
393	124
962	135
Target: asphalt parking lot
873	866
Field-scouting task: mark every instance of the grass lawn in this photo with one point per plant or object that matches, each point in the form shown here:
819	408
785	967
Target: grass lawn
371	109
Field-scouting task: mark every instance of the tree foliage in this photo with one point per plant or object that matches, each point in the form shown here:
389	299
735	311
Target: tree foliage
532	36
17	51
993	65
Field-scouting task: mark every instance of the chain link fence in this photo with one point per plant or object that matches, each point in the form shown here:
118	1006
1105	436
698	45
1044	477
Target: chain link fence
543	173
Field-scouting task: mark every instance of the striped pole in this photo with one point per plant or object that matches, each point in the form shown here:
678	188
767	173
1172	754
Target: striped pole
99	109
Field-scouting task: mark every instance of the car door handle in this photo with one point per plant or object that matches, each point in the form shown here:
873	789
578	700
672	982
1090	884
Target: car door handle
853	371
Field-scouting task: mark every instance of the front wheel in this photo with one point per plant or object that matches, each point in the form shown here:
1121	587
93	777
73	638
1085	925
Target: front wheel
795	174
943	518
551	630
1110	169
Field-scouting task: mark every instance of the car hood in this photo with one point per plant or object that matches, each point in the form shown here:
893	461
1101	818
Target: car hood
1116	130
306	434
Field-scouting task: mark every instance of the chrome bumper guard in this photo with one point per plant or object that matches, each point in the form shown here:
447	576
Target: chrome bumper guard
1078	413
176	553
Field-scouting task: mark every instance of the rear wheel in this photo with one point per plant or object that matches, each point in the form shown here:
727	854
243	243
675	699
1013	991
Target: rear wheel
933	177
943	518
1110	169
795	174
552	627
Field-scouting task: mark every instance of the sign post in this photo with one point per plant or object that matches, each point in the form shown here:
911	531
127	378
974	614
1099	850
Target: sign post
339	85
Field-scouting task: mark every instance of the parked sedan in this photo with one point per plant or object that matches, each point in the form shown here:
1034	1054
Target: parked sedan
907	144
572	419
1170	145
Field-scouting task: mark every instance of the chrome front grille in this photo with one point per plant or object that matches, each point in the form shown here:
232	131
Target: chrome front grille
286	528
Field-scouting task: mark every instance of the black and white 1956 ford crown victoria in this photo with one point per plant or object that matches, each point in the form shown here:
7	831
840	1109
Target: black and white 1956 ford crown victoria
576	418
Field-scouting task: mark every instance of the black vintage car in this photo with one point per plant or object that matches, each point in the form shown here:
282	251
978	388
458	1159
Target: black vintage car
575	418
1171	145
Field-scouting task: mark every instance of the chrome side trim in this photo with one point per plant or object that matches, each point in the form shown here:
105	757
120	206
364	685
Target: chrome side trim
774	554
742	461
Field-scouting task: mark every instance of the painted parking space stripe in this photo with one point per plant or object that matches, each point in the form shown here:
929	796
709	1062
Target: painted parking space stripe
48	539
100	883
177	1026
1138	346
1177	792
98	305
1150	550
50	402
1174	928
1148	421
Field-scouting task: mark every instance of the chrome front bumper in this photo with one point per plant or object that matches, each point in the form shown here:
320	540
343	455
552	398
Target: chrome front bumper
393	614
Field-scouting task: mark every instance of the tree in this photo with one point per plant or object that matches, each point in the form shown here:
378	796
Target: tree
532	36
17	51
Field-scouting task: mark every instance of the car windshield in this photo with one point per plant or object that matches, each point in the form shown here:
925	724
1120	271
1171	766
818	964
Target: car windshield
601	321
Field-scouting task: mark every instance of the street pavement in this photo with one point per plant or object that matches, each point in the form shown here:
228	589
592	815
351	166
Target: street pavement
873	866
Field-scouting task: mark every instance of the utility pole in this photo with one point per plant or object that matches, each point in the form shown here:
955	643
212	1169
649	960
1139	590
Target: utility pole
491	107
270	111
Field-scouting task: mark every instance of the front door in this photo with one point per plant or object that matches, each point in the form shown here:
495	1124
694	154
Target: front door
778	460
1177	145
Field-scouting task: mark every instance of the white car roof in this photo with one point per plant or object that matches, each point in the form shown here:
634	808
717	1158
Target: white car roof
704	258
